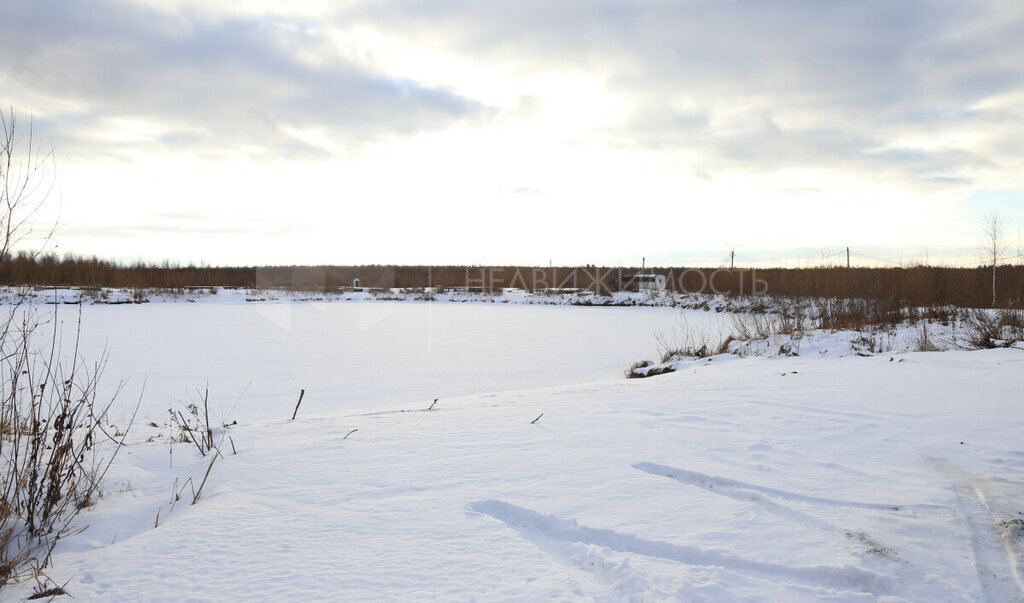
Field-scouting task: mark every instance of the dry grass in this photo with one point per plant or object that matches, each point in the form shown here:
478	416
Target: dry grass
925	342
50	463
687	342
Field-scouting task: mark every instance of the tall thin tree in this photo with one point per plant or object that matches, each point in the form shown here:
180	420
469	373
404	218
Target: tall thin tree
993	230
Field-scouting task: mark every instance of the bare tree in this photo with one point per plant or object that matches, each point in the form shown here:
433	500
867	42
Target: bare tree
993	230
25	183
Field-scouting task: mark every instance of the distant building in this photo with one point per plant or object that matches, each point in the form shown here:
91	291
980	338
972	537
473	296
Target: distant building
643	282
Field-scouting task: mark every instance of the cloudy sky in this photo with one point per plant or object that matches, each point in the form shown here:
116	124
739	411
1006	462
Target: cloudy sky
578	131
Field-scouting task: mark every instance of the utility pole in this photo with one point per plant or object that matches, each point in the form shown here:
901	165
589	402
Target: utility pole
732	256
847	257
643	263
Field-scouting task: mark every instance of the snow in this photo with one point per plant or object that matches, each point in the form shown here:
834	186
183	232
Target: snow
356	355
895	476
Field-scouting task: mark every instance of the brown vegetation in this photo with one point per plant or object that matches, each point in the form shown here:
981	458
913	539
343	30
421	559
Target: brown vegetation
920	286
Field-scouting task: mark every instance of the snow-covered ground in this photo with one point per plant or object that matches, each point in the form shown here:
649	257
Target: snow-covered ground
355	355
895	476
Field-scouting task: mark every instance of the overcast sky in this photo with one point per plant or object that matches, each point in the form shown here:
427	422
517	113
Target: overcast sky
577	131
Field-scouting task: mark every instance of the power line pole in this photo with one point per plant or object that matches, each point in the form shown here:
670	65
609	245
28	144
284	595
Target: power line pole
847	257
732	256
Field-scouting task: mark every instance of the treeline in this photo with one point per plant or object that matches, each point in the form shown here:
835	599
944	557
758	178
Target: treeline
917	286
920	286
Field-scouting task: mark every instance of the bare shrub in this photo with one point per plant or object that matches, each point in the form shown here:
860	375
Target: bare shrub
858	314
874	340
792	321
193	425
687	342
50	463
924	342
942	314
982	329
797	319
682	342
52	436
989	329
1011	323
844	314
751	326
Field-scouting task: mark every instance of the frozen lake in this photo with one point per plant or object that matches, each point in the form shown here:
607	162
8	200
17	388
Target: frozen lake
360	355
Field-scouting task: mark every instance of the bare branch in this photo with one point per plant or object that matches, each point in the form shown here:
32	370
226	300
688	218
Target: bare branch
26	181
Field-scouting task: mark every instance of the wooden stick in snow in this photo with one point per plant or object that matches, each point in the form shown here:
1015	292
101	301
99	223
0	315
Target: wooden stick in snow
302	392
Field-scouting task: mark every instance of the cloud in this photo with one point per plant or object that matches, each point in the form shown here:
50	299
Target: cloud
107	75
922	92
878	89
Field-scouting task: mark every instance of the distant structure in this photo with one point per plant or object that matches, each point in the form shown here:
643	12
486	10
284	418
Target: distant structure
643	282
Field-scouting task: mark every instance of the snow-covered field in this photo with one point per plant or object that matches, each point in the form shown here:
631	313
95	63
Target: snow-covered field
356	355
542	472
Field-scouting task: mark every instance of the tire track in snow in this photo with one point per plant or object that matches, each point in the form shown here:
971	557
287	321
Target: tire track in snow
997	534
855	417
606	578
542	529
799	518
715	483
995	560
748	493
